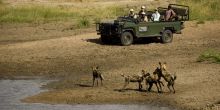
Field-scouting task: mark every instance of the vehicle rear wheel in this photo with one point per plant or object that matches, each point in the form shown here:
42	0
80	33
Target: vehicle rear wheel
167	36
126	38
105	39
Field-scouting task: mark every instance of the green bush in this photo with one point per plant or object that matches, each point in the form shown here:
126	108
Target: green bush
203	9
28	14
200	22
83	22
33	14
209	55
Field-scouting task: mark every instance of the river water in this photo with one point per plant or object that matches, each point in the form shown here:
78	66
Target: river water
12	91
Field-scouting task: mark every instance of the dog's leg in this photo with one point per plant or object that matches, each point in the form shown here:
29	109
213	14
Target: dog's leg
151	84
93	81
147	85
140	86
101	81
159	82
173	88
168	85
158	90
125	85
97	81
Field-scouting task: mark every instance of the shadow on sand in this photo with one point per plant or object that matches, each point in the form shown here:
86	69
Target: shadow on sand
116	42
129	89
83	85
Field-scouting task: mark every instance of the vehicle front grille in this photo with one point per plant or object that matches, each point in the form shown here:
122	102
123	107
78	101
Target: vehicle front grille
108	29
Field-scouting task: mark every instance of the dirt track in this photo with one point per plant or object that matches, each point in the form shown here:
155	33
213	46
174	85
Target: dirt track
70	59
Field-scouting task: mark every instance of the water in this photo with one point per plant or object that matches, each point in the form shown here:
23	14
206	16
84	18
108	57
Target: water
11	91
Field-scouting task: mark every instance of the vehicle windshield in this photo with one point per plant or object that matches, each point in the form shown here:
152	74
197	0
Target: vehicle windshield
126	19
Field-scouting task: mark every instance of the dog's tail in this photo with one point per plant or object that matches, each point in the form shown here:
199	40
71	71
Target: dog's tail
102	77
174	76
122	75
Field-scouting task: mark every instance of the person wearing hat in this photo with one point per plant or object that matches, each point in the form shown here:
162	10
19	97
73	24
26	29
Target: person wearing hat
143	17
155	16
132	14
143	9
170	14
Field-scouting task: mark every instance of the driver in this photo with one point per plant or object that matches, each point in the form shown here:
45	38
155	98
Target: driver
142	10
143	17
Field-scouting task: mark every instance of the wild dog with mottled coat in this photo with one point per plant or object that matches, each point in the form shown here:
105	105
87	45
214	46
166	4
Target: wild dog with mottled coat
97	74
153	79
134	78
168	77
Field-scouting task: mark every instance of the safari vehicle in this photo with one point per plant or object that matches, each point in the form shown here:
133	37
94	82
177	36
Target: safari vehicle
127	29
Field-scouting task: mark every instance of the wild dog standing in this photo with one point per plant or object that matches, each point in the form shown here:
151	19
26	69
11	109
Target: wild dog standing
134	78
157	75
152	79
97	75
169	78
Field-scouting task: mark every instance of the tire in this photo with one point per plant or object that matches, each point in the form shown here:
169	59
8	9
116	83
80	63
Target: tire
105	39
126	38
167	36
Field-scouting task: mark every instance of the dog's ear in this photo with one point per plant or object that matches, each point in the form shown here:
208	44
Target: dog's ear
97	67
93	68
159	63
122	75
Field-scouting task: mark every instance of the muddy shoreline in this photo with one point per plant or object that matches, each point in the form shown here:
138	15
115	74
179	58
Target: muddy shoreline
12	91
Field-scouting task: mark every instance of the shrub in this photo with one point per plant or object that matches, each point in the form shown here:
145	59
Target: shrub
209	55
203	9
33	14
83	22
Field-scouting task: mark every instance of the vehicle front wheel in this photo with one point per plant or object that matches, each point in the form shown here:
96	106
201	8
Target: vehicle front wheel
167	36
126	38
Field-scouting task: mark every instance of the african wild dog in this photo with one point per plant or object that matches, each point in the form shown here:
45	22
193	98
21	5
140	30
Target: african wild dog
169	78
153	79
134	78
97	75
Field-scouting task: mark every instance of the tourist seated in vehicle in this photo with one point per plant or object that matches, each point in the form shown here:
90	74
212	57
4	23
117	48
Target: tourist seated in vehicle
155	16
143	9
170	14
132	14
143	17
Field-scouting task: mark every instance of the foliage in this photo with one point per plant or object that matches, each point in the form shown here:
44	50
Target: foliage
210	55
202	10
83	23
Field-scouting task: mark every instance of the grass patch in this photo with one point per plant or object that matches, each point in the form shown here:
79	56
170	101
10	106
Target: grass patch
83	23
200	22
82	18
34	14
209	55
202	10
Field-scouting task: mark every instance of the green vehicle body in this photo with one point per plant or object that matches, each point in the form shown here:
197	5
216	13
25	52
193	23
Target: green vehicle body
127	29
151	29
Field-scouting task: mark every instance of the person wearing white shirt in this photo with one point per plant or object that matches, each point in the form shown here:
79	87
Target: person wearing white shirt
155	16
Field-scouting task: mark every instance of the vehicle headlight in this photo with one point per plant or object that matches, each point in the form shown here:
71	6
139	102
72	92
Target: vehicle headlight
116	29
97	27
